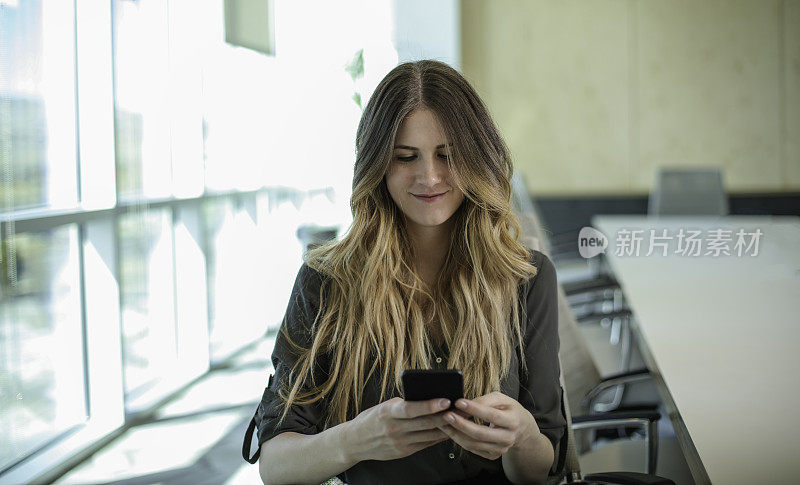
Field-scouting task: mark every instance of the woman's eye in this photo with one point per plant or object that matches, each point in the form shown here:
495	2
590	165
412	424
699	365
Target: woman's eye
412	157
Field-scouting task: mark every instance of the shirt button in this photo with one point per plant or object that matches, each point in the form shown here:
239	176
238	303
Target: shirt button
451	456
438	360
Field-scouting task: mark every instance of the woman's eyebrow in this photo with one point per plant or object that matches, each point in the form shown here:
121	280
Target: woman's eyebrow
415	148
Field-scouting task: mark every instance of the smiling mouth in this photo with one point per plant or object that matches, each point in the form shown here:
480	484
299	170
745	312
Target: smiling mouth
429	198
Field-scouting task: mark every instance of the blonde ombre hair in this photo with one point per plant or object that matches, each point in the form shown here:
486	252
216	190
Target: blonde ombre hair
373	305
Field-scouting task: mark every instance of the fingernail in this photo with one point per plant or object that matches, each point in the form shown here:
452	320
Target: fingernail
450	417
462	404
443	403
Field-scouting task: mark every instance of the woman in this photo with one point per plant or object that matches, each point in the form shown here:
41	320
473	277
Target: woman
431	274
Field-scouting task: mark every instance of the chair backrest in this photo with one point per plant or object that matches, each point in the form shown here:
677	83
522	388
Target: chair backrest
534	235
572	466
520	198
566	462
688	191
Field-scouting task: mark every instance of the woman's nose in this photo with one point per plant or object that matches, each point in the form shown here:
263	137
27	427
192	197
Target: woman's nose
430	171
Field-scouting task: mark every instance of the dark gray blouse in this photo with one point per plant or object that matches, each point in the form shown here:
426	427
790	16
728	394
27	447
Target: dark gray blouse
539	392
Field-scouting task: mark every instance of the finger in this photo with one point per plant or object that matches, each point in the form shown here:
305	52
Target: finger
428	421
460	413
411	409
499	417
479	432
486	450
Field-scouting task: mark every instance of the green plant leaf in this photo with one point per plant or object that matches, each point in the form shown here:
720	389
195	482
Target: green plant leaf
356	66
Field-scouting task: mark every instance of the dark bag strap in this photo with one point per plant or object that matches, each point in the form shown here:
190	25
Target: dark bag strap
248	435
248	438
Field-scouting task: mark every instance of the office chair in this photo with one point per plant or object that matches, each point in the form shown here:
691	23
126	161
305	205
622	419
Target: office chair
688	191
567	463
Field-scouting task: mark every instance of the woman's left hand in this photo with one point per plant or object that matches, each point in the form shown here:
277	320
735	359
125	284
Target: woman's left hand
508	424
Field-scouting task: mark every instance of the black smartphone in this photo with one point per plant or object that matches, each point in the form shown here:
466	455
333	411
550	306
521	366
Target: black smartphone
424	384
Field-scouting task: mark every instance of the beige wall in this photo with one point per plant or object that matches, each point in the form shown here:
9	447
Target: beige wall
592	97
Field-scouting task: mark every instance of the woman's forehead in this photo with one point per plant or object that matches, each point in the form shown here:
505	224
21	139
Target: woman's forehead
421	129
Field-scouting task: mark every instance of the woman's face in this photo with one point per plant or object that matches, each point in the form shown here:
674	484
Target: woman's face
419	169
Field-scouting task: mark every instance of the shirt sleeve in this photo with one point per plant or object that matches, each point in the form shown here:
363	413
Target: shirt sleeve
300	314
540	387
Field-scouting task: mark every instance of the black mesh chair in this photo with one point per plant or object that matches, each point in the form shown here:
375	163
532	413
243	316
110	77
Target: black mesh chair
568	463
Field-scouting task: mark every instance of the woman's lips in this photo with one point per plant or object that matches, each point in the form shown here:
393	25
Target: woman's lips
429	199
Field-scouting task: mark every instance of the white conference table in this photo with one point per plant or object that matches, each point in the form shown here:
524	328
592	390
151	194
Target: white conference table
722	334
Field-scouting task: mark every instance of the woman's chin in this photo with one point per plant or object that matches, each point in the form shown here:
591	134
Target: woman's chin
429	221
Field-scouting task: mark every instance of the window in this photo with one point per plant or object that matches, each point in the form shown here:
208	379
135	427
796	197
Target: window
147	303
141	103
37	104
153	178
236	275
41	357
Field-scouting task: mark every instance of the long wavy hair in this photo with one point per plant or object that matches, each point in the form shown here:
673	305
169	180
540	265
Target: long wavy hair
375	309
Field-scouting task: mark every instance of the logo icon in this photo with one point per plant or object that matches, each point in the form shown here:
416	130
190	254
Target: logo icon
591	242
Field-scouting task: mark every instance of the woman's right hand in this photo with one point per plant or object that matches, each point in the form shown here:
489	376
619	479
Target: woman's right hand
396	428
